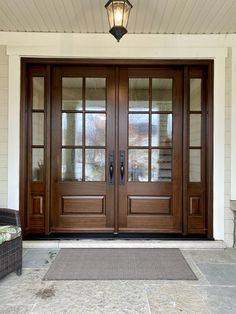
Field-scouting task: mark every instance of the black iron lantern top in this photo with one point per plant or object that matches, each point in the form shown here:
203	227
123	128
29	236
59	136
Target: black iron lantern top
118	14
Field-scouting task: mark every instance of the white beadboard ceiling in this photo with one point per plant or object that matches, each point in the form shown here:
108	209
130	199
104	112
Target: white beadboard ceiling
147	16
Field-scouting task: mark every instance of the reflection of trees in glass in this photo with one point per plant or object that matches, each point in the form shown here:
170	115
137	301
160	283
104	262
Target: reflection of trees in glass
71	164
138	165
95	129
95	165
37	164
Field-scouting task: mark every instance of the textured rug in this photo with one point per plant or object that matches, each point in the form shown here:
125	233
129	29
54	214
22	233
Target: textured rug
120	264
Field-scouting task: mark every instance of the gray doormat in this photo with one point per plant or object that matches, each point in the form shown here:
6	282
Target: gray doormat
120	264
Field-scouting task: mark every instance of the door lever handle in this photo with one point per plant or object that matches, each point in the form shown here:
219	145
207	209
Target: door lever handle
122	171
111	167
122	167
111	171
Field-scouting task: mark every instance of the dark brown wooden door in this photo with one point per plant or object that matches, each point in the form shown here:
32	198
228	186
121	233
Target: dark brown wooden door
150	150
117	148
83	141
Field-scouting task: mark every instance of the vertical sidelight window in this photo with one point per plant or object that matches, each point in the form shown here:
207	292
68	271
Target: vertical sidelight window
38	126
195	130
83	120
150	130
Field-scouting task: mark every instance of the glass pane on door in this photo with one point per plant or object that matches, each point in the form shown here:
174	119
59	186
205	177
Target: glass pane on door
161	129
72	91
37	128
138	165
95	94
138	129
195	165
161	165
162	94
38	93
138	94
195	94
71	167
195	129
95	165
37	164
95	126
71	128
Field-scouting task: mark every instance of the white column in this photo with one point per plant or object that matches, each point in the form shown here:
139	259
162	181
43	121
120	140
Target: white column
219	147
13	131
233	126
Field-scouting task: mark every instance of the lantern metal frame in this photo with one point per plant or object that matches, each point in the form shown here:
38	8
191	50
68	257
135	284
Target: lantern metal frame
118	31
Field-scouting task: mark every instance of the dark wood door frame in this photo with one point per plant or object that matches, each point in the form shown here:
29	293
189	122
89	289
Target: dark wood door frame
47	64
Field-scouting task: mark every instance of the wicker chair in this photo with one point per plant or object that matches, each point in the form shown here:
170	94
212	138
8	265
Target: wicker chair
10	251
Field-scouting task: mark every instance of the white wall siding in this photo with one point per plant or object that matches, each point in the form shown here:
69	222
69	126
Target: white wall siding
3	125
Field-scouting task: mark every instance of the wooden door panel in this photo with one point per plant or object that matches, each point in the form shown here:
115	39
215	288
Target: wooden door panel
149	205
78	204
82	198
144	205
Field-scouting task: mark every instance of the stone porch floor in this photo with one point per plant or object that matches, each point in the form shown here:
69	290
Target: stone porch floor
214	292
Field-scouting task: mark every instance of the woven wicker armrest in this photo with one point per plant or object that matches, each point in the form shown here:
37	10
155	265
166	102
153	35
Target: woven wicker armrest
9	217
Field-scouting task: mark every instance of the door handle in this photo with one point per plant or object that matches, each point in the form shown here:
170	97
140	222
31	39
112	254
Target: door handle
122	167
111	167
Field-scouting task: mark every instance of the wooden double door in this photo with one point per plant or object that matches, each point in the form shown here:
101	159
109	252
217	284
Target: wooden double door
116	149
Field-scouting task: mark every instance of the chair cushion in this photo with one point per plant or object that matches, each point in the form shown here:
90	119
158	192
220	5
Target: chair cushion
8	233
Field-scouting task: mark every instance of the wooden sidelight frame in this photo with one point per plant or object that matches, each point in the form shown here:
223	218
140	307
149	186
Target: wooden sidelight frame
40	223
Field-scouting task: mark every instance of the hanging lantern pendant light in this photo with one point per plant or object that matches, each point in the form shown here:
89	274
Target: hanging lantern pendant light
118	15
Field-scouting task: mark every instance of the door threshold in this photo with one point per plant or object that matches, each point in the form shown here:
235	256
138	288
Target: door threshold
189	244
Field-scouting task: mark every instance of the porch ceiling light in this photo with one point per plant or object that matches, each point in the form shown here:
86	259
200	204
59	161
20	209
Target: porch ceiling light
118	14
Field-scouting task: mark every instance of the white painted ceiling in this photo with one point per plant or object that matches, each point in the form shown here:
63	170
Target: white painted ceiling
147	16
